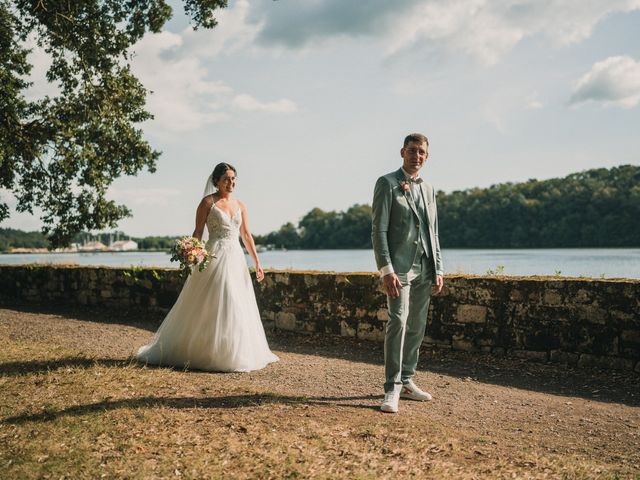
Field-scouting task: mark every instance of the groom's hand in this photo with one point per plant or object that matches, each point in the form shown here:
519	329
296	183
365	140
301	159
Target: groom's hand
437	288
391	285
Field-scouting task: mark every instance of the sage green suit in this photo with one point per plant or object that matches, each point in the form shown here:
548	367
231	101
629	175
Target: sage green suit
405	237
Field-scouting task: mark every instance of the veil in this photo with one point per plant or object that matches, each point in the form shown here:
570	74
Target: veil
209	187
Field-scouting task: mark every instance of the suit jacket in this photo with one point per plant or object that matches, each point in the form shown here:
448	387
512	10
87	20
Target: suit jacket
395	226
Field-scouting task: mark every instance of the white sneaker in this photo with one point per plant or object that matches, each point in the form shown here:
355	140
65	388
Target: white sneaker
391	400
412	392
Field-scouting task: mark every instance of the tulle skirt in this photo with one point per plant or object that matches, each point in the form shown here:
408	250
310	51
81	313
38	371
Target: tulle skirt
215	323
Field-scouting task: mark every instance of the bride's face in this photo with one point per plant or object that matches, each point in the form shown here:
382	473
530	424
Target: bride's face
227	182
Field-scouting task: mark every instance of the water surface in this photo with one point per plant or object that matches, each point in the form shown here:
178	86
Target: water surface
575	262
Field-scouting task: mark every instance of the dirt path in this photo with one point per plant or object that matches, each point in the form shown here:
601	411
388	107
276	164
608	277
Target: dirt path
313	414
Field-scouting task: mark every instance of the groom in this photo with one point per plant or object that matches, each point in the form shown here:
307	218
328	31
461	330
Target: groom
407	250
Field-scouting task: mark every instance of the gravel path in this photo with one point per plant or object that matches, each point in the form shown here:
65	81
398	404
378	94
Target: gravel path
507	405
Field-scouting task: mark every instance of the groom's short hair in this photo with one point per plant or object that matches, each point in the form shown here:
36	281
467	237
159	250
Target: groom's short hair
415	137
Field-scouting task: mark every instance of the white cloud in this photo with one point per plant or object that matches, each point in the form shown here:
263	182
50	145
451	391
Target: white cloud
232	33
572	21
613	81
488	30
175	68
248	103
180	86
485	30
184	98
471	26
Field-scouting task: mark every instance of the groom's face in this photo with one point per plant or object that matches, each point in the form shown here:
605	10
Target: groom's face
414	155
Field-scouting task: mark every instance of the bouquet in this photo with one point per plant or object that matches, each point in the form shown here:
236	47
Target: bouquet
190	252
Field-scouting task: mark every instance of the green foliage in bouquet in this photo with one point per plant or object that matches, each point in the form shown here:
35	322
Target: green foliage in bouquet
190	252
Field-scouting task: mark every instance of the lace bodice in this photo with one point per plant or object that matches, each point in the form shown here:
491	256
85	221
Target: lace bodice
223	230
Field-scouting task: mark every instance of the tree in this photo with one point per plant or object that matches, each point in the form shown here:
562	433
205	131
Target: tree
352	229
320	229
11	238
594	208
62	153
316	229
286	237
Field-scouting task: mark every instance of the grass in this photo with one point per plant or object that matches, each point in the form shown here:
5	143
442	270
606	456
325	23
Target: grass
66	415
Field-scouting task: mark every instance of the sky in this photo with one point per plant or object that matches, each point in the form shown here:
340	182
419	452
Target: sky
310	101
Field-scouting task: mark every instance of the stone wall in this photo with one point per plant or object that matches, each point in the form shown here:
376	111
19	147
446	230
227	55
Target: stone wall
586	322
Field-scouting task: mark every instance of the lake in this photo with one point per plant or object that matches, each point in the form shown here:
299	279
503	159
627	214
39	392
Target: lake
574	262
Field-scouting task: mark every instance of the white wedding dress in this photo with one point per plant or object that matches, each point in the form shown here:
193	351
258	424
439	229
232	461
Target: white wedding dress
215	323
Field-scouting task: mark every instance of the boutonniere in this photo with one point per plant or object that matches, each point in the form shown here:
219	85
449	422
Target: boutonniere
405	186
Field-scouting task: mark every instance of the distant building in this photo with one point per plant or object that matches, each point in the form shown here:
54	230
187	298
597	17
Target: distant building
123	245
93	247
72	248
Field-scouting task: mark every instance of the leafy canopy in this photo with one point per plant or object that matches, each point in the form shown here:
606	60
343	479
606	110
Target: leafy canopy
61	153
594	208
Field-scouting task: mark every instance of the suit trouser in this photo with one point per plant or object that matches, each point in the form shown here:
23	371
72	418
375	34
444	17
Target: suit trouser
407	323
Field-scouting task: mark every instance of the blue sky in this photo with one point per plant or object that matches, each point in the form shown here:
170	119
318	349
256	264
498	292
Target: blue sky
311	100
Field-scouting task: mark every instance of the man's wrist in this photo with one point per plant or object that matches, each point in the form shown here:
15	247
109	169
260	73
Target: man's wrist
386	270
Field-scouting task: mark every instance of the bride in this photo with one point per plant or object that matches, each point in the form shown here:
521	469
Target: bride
215	324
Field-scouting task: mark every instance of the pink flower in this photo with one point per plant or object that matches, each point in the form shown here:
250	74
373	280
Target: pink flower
190	252
405	186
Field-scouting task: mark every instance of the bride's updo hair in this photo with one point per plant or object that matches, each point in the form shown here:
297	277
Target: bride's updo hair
220	170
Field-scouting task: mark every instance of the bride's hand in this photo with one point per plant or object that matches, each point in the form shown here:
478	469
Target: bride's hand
259	273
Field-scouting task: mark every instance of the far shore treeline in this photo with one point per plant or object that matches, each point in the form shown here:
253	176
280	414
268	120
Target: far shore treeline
594	208
12	238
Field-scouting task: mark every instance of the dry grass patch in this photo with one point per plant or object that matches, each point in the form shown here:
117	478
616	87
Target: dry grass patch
68	412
